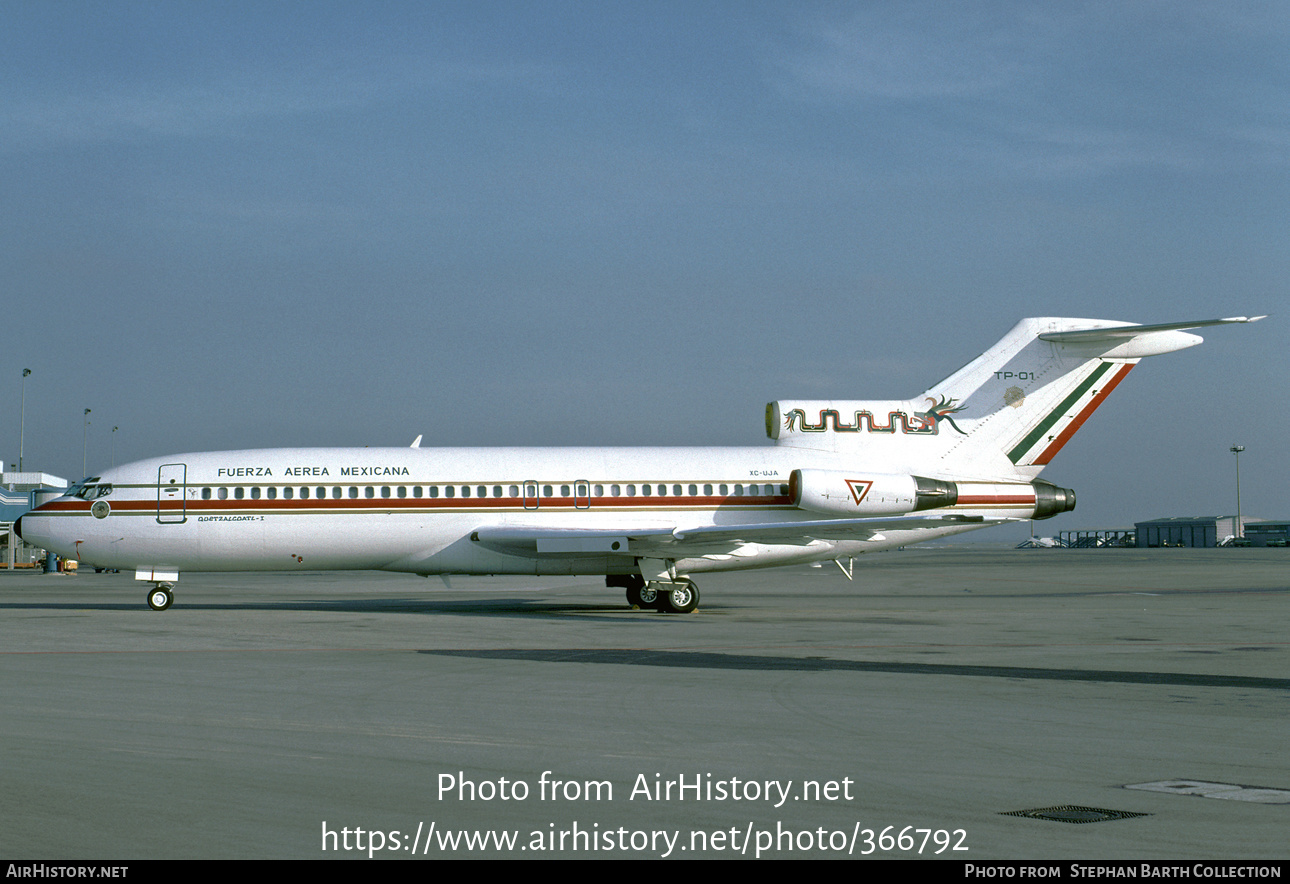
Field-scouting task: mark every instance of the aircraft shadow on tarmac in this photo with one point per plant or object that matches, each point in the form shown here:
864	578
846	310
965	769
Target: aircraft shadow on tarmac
475	607
711	660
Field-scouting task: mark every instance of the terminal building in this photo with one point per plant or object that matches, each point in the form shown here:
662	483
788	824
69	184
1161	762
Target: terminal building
1192	531
1268	533
20	492
1177	531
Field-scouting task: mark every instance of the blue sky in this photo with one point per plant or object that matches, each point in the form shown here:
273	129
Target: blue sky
231	225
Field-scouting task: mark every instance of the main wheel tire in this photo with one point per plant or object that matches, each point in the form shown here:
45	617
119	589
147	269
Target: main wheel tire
683	598
160	598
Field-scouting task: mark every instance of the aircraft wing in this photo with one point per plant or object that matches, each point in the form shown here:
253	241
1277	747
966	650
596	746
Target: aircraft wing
681	541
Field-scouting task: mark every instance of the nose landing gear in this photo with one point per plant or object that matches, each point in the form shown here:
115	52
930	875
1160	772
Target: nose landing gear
161	596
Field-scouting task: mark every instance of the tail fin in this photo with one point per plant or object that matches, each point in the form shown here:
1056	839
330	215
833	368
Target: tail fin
1004	415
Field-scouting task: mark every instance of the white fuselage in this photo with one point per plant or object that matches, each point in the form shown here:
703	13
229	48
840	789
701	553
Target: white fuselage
414	510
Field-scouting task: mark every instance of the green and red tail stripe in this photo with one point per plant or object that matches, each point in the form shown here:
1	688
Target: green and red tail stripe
1108	374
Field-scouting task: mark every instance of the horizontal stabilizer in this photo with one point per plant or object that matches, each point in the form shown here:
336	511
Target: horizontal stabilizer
1088	335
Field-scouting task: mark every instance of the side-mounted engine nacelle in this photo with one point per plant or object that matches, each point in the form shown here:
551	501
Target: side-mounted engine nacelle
835	492
1036	499
855	494
1051	500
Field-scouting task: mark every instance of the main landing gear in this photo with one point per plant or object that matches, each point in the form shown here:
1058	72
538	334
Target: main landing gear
679	596
161	596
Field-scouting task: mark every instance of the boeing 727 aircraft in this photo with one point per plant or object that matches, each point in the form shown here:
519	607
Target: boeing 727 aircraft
842	478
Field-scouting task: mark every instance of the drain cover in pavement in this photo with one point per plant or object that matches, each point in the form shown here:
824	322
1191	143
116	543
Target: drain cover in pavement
1074	813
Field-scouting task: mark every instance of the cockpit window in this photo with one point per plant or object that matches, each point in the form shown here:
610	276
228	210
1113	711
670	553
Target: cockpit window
90	489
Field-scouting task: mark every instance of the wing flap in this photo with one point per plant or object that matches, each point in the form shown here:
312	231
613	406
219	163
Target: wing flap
805	531
663	542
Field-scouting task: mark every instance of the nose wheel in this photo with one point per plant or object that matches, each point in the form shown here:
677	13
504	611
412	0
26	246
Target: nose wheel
161	597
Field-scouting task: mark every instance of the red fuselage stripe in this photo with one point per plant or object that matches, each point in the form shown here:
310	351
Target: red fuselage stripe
413	503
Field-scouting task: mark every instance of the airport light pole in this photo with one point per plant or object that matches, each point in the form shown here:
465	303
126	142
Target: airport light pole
85	446
1240	526
22	417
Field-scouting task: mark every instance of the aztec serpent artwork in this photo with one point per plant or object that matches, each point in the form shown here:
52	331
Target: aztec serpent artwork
923	423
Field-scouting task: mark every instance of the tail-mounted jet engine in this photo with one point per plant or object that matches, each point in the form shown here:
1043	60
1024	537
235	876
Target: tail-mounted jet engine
1051	500
857	494
832	491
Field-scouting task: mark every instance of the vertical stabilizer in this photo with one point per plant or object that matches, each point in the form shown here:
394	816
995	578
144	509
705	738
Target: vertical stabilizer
1003	415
